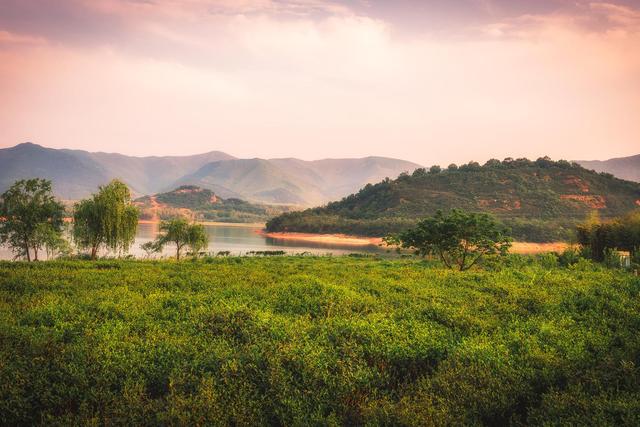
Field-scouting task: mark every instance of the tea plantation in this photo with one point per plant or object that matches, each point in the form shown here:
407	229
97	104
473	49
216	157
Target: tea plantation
317	341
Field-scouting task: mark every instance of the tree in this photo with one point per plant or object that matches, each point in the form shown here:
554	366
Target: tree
150	247
617	234
106	219
434	170
27	209
180	233
459	239
52	240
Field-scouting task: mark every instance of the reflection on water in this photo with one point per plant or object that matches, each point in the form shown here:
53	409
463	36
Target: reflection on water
238	241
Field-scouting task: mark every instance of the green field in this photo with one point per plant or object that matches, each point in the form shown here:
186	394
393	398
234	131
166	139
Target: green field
317	341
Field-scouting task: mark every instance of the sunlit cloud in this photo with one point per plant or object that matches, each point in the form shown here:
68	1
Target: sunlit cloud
322	79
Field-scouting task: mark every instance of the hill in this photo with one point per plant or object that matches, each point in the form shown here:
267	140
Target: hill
622	167
540	201
76	174
294	181
203	204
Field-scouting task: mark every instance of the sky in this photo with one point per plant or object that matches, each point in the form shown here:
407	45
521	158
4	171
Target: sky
431	81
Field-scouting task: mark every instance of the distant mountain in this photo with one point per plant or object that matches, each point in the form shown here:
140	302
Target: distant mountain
76	174
622	167
203	204
540	201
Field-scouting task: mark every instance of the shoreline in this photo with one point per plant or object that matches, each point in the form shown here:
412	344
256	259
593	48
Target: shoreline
226	224
522	248
337	239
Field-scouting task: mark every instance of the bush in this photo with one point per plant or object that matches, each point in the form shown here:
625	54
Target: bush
317	341
569	257
548	260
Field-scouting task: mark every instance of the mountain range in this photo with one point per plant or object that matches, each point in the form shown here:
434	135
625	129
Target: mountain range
76	174
622	167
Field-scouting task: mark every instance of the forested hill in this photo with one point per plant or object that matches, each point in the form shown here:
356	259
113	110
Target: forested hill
202	204
540	200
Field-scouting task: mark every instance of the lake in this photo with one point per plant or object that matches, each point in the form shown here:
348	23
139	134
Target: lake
238	240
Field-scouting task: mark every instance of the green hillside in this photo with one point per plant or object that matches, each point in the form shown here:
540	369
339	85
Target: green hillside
202	204
540	200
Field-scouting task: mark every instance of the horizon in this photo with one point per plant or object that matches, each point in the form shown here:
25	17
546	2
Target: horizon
306	160
433	81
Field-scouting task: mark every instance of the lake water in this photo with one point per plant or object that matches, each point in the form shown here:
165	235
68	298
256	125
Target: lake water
238	240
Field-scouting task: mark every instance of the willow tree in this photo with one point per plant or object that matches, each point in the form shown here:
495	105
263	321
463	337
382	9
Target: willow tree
181	234
27	209
107	219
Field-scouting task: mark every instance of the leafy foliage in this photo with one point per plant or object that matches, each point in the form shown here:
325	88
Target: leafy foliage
203	204
180	233
538	200
458	239
30	217
618	234
317	341
107	219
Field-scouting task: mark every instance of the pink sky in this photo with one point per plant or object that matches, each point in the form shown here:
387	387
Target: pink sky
432	81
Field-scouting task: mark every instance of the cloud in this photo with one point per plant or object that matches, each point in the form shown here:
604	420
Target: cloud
593	18
8	38
315	79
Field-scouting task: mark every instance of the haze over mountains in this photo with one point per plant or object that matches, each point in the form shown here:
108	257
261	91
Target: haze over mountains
76	174
622	167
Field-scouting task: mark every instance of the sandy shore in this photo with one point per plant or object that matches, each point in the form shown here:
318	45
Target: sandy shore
347	240
334	239
536	248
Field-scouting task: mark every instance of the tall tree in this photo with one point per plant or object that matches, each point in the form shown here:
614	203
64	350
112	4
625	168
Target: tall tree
27	209
459	238
107	219
182	234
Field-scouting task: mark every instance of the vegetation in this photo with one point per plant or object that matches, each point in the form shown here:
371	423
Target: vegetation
201	204
618	234
538	200
180	233
317	341
30	217
458	239
108	219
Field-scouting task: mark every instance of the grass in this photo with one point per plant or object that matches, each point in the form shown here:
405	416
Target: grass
317	341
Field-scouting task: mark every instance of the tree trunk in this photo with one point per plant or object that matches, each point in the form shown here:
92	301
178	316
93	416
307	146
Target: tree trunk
35	253
94	252
178	252
26	246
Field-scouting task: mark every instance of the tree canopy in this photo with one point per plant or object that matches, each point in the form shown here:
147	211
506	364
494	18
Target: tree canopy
458	238
180	233
621	233
107	219
31	217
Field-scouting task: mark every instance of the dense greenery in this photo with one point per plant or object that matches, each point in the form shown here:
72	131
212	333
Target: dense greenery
107	219
202	204
180	233
618	234
317	341
30	218
457	238
539	200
